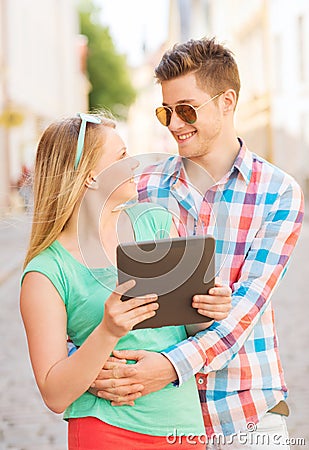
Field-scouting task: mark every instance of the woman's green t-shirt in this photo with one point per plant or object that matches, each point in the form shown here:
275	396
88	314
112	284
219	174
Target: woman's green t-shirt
84	291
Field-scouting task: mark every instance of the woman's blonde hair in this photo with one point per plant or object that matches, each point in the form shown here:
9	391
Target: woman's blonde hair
57	184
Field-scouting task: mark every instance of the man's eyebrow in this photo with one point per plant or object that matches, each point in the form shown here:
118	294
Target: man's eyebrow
190	100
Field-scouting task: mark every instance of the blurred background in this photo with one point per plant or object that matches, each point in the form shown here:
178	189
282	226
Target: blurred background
58	57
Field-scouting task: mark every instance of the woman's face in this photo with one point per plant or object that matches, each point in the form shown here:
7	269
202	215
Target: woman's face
115	170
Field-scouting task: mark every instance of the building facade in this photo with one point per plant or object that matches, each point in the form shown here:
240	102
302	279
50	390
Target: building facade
41	78
273	59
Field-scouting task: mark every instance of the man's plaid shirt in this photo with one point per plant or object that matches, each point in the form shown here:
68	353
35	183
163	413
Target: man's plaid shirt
255	213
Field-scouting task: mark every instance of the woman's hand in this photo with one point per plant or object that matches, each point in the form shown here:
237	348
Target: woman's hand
216	304
121	316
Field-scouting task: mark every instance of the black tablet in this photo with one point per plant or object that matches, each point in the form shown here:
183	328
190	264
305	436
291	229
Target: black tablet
175	269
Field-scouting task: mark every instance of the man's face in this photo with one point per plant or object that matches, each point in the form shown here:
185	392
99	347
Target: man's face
197	139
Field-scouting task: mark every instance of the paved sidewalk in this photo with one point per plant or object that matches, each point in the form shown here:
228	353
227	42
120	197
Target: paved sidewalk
26	424
14	234
291	306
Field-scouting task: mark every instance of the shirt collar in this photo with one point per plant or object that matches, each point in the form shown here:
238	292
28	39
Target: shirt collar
243	162
175	177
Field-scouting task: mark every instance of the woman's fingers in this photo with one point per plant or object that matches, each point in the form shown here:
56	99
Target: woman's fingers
141	313
123	288
121	316
137	302
134	302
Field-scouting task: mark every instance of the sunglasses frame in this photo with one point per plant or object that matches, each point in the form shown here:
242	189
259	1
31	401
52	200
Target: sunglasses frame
195	109
81	134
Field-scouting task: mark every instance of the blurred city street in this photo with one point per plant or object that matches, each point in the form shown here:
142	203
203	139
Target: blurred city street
26	424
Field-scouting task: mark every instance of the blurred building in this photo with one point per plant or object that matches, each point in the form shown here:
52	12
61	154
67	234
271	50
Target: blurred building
42	77
270	39
273	60
144	134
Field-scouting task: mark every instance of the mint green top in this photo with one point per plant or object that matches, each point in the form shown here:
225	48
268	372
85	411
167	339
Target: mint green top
84	292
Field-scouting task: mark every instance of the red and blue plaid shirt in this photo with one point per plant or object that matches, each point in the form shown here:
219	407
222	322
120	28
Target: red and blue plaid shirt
255	213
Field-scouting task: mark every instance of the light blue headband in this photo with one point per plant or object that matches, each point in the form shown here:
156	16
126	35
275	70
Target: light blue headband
81	135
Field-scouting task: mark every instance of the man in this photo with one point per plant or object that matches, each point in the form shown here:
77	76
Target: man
255	211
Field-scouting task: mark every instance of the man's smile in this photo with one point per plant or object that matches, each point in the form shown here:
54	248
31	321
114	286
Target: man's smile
185	136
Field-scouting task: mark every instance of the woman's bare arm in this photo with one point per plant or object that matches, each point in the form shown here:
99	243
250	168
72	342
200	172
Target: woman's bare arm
62	379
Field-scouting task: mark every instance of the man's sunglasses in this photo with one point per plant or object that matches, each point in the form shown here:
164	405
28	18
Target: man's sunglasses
184	111
81	135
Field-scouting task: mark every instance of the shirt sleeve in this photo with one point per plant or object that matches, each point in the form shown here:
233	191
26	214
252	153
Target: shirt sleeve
52	270
263	267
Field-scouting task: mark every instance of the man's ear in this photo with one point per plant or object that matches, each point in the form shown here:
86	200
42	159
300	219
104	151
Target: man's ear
229	101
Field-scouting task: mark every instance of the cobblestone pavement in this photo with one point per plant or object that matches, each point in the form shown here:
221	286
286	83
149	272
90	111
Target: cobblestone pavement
26	424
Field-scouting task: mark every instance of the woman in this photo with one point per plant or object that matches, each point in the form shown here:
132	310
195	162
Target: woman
82	177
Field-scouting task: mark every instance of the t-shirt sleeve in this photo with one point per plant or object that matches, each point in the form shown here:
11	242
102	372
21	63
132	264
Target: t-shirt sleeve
158	218
51	268
163	222
150	221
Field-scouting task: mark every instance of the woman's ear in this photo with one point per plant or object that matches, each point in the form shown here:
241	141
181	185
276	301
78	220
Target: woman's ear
91	182
230	101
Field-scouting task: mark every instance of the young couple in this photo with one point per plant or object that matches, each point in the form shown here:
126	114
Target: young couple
253	209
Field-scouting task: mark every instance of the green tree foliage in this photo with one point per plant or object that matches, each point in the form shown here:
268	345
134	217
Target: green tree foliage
108	71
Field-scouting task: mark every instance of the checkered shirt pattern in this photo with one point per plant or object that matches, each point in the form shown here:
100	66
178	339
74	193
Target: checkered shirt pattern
255	213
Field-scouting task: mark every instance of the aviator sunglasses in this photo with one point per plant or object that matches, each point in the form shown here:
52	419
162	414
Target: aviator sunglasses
184	111
81	135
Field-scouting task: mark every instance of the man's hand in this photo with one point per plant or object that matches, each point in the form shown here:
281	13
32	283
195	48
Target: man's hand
216	304
123	383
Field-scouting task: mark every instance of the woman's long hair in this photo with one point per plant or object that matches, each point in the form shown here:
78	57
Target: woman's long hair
58	186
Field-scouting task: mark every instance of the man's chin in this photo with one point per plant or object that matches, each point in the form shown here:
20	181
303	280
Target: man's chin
187	153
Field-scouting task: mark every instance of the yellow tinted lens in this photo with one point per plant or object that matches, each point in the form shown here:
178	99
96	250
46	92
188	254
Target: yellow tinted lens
186	112
164	115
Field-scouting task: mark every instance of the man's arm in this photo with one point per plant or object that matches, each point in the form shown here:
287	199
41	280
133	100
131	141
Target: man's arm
123	383
262	270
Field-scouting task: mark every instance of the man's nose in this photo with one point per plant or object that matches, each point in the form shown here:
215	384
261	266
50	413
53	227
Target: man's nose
176	122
